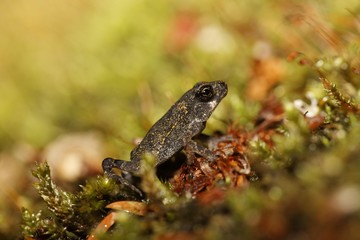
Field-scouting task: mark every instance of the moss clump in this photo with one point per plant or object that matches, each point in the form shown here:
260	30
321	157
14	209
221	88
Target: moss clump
70	216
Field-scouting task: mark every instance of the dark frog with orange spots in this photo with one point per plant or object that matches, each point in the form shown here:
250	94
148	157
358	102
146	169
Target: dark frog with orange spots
174	131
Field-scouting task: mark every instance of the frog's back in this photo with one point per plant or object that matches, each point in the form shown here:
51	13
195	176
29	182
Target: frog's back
168	135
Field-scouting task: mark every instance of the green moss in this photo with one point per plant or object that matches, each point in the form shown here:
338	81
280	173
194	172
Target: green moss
72	215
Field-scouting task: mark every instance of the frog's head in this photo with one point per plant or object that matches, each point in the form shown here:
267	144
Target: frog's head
205	96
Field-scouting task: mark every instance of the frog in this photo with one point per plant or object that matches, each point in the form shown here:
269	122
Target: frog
173	132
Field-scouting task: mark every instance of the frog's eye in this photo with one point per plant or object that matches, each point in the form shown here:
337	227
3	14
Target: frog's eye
205	93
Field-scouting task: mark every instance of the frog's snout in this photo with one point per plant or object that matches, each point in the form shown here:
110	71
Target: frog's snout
223	88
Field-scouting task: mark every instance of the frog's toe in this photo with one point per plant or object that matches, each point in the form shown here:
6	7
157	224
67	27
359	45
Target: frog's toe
107	164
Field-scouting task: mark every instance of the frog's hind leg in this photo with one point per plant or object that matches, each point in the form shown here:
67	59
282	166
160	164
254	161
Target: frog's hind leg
108	164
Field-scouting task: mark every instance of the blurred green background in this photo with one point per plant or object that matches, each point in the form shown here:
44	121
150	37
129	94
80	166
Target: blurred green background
63	61
114	67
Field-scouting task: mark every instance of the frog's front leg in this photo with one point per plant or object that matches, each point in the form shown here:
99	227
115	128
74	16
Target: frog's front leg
108	164
204	152
201	150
